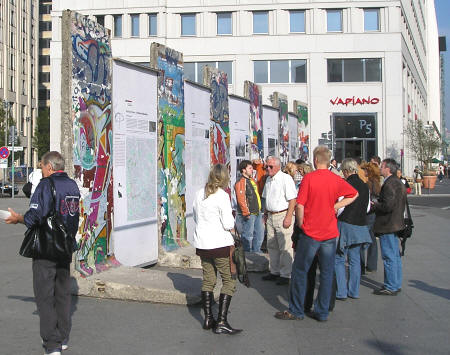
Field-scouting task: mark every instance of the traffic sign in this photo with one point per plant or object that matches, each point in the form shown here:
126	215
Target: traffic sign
3	163
16	149
4	152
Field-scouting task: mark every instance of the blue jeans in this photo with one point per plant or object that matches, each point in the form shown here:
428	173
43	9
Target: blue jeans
251	230
390	253
306	250
354	272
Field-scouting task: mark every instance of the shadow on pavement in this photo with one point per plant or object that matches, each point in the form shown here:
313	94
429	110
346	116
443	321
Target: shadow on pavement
388	348
270	291
441	292
372	284
186	284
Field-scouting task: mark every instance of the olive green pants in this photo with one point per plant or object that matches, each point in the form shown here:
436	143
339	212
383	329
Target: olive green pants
210	267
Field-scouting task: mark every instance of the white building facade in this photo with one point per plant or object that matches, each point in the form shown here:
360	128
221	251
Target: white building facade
363	67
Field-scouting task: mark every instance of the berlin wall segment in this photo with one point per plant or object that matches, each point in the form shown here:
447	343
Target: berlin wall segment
89	59
171	145
280	101
252	92
220	115
301	109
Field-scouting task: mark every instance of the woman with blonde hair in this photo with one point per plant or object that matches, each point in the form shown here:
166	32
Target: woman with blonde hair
374	184
213	242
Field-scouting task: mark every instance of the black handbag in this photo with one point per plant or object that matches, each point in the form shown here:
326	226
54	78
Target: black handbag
239	259
27	189
406	233
49	240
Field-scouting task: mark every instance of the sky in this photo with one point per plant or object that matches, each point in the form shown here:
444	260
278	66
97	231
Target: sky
443	19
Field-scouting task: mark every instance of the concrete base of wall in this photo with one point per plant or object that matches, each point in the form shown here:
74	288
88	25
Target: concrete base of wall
176	279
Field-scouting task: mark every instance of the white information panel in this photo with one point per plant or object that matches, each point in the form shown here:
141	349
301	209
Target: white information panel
135	234
293	137
197	147
239	133
270	131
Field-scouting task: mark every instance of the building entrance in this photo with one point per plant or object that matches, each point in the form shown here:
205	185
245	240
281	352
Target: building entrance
354	136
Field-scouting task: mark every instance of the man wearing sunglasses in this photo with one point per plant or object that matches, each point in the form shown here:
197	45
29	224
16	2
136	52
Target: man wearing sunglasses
279	193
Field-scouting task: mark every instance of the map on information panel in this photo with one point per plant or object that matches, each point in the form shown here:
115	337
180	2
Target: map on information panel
141	194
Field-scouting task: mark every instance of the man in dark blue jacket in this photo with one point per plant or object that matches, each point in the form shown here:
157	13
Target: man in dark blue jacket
51	279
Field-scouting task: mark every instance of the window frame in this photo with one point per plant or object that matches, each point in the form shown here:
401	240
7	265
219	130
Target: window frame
231	23
197	71
291	12
341	13
372	10
290	76
253	22
149	18
133	18
364	70
185	16
115	27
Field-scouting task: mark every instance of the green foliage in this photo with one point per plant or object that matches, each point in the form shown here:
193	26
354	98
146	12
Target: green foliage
423	141
41	139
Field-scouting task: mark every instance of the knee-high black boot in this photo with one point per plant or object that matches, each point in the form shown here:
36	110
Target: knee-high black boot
207	299
222	326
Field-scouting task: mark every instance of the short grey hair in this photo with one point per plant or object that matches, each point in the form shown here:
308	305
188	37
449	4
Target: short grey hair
55	159
391	164
275	159
350	165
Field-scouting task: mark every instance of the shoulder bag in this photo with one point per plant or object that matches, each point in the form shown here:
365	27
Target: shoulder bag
406	233
50	240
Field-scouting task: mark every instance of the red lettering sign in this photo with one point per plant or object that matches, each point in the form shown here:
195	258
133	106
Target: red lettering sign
355	101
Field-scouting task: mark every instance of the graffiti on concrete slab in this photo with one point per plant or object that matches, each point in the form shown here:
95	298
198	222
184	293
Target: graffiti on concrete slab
280	101
171	145
220	128
301	110
92	150
253	93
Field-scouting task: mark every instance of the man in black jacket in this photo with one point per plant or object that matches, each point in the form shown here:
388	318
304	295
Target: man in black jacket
389	211
51	279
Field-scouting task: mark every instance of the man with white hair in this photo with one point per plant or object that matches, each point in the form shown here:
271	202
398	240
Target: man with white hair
279	193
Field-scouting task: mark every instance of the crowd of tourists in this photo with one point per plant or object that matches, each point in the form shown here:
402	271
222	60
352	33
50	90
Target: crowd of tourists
304	216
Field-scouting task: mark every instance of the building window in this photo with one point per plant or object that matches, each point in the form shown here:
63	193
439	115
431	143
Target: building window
188	24
297	21
135	25
371	19
100	20
279	71
24	87
11	84
44	42
354	70
334	20
117	25
224	23
261	22
44	60
194	70
45	26
152	25
44	77
298	71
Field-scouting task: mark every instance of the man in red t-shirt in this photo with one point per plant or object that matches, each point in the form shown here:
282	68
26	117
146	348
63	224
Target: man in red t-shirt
317	204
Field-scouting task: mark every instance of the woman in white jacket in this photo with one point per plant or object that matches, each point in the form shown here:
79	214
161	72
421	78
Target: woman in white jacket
213	241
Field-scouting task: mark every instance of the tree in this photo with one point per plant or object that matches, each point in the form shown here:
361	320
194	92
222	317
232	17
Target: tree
41	139
423	141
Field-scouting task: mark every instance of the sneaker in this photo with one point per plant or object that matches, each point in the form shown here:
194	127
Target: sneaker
52	352
64	346
384	292
270	277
